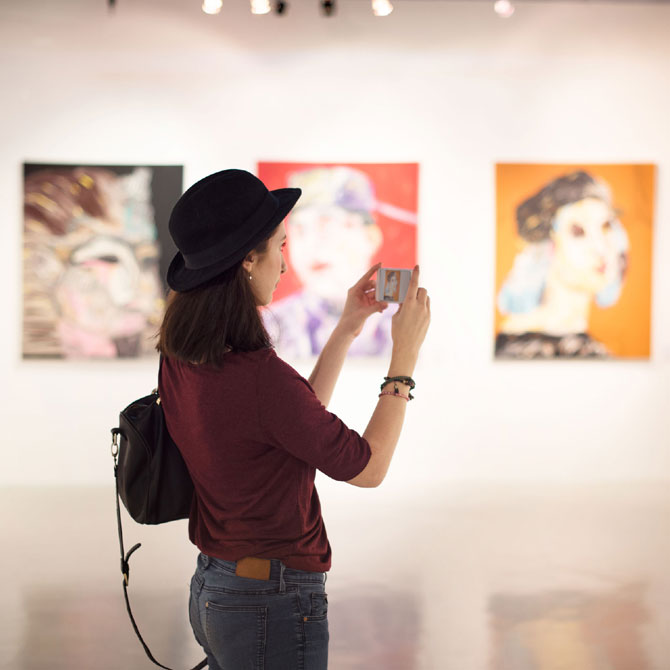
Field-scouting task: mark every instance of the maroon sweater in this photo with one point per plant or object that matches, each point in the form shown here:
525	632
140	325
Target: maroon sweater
253	434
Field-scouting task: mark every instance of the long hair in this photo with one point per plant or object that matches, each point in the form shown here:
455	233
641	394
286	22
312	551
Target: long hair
201	325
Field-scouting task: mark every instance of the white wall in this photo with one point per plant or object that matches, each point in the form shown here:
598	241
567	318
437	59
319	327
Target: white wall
449	85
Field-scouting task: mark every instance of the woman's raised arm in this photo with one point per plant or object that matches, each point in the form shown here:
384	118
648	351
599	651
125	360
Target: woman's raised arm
410	324
360	304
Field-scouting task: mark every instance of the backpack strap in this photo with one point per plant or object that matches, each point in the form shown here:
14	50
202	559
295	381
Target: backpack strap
125	558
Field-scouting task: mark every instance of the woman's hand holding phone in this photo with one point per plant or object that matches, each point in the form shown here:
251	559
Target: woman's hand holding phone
409	326
361	303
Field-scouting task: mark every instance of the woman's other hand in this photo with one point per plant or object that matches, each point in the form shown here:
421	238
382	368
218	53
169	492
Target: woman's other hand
409	326
361	303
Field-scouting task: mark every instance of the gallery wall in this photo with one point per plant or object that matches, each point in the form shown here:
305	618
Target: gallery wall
446	84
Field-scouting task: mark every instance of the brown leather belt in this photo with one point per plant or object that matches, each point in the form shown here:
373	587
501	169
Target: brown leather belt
253	568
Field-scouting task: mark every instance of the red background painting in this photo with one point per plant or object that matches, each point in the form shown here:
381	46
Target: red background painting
395	184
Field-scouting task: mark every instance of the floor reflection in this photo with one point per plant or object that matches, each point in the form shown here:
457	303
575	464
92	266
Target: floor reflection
80	627
569	629
460	579
375	629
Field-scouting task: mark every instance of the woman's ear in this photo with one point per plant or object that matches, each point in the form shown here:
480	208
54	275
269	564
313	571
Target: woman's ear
248	262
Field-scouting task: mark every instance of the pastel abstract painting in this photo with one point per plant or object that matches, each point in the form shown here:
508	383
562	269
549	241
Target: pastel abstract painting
95	243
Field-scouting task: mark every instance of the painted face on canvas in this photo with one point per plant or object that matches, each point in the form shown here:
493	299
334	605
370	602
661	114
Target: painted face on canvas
90	249
391	286
586	245
106	295
268	267
328	246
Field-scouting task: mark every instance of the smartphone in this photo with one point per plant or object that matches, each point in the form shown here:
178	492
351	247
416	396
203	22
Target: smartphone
392	284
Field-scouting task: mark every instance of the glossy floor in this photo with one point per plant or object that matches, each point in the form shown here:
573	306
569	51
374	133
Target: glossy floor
463	579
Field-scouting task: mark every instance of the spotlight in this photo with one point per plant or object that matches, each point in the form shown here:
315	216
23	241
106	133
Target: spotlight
328	7
281	7
260	7
212	6
381	7
503	8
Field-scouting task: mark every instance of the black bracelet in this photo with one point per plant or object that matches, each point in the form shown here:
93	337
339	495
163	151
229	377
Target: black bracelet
403	380
408	381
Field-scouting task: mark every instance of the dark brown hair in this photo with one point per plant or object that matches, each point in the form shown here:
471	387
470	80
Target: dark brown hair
535	216
201	325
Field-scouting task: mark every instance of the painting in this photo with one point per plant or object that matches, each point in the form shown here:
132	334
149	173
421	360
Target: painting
573	261
349	217
95	250
392	285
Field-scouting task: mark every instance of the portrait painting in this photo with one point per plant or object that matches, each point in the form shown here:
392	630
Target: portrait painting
392	285
348	217
573	261
95	249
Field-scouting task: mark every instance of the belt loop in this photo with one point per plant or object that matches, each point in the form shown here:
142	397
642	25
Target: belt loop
205	561
282	583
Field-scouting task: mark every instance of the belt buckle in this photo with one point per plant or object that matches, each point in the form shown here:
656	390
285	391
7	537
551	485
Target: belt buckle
253	568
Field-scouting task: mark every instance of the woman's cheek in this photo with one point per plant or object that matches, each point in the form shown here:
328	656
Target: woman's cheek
575	253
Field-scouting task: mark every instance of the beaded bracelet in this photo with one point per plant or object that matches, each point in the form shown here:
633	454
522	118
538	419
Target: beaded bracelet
394	395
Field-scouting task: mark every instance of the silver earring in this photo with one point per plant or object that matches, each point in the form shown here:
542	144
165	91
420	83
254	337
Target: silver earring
250	277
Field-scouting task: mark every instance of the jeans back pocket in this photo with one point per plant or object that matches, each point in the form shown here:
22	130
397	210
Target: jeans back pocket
236	635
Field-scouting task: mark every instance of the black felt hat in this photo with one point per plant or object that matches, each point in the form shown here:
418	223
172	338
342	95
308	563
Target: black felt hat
218	221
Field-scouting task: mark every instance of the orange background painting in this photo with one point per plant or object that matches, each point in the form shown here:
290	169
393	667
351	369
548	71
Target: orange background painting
395	184
624	328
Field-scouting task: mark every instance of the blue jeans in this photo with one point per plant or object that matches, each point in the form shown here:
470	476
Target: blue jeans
253	624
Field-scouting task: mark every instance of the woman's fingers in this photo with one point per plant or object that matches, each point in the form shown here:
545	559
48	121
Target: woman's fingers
366	277
413	286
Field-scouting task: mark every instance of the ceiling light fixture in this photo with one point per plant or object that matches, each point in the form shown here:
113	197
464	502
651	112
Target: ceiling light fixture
328	7
212	6
503	8
381	7
260	6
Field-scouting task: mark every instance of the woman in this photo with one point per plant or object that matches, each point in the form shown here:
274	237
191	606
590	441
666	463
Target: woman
253	432
391	286
576	252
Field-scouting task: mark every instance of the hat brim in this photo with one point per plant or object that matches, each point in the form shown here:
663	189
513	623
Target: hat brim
180	278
